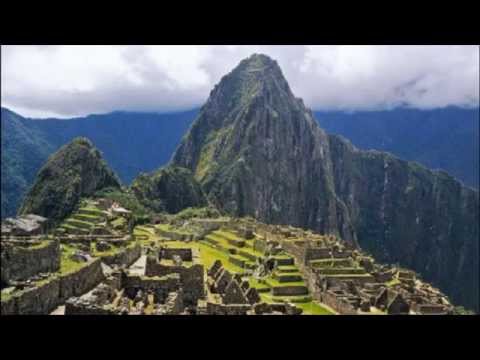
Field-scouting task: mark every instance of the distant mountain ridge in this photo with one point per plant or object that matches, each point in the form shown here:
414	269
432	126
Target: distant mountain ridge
76	170
131	143
446	138
439	139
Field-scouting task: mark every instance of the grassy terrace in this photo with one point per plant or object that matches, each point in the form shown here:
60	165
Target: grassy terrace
67	265
327	263
287	269
275	283
313	308
304	302
114	249
168	227
233	251
40	245
209	255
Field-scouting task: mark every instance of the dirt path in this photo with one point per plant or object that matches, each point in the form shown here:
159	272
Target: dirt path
138	267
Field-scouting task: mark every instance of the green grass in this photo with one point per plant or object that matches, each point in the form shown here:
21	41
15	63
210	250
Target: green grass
112	251
285	269
40	245
313	308
119	222
208	256
227	235
69	228
86	217
169	228
79	224
176	244
254	283
275	283
67	265
393	282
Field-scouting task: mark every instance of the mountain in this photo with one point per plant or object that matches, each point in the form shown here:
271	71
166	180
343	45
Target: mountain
76	170
131	143
169	189
446	138
439	139
24	150
256	150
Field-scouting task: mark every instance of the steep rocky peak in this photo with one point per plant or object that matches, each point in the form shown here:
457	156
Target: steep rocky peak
256	78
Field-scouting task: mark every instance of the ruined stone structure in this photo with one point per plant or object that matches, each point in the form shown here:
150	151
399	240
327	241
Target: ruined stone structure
21	260
188	267
26	225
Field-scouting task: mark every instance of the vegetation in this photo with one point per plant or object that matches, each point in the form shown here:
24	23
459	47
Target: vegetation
67	265
170	189
205	212
76	170
27	144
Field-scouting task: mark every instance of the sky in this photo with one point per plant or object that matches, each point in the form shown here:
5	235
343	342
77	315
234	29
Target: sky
69	81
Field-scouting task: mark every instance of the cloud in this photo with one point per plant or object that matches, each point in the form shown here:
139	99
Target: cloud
69	81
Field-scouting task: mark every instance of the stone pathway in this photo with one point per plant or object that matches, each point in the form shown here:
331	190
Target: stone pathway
138	267
59	310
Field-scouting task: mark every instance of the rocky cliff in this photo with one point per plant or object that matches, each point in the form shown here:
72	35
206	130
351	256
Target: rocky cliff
404	213
257	151
76	170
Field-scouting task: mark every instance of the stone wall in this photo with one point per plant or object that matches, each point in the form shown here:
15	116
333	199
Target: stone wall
161	286
259	245
168	253
42	299
298	252
338	304
72	308
231	309
191	278
81	281
39	300
21	263
173	235
125	257
316	253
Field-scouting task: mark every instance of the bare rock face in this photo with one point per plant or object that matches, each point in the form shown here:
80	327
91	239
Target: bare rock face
256	150
76	170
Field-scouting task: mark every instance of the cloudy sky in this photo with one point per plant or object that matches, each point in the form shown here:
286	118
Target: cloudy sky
65	81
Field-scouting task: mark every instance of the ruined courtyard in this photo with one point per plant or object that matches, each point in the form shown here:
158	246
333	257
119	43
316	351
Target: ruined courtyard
98	262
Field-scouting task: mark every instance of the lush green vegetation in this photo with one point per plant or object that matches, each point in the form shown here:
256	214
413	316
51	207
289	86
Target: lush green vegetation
313	308
76	170
169	189
27	144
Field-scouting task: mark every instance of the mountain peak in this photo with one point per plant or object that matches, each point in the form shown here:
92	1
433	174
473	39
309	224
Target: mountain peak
257	78
258	62
74	171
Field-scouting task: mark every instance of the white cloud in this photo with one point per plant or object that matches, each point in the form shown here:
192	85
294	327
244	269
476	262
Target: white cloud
77	80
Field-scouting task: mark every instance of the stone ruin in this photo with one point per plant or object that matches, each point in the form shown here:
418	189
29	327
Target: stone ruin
228	294
182	261
124	294
26	225
350	282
